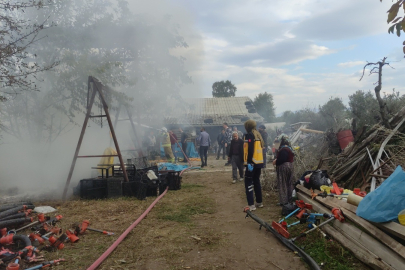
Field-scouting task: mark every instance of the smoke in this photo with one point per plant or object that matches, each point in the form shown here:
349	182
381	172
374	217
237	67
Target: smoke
159	52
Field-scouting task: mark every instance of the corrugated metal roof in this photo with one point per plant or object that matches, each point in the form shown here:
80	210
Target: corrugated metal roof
232	110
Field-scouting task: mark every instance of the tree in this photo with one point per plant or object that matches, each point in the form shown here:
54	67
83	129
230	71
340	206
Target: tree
18	65
383	106
102	38
264	105
396	23
223	89
363	108
334	112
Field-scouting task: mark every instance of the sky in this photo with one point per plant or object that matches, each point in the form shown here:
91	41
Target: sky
302	52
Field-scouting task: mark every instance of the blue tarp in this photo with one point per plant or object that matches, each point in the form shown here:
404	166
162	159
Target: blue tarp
384	203
190	151
171	167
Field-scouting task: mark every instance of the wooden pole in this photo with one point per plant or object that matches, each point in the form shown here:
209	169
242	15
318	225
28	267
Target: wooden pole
79	143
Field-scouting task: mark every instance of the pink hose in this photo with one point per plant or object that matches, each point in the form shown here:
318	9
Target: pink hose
119	240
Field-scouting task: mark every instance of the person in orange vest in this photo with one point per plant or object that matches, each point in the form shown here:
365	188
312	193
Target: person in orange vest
253	161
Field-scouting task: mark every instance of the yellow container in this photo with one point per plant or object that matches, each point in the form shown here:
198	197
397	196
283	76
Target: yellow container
401	217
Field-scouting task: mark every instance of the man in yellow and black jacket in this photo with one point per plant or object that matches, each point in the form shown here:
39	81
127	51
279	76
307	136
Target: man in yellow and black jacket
253	161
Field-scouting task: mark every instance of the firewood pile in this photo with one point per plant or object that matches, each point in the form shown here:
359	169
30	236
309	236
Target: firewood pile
375	153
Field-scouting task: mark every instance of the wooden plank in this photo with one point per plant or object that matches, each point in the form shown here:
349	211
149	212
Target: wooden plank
391	227
311	131
365	241
367	226
360	253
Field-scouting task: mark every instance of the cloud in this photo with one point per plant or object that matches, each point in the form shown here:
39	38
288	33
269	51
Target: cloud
352	64
351	19
278	53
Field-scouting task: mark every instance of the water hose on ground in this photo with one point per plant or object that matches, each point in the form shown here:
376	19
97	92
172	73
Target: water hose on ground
288	243
122	237
189	168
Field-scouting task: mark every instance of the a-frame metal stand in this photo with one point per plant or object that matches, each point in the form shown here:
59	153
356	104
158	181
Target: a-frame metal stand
94	87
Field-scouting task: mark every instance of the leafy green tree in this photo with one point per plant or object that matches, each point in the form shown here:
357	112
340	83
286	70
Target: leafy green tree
264	105
223	89
363	107
334	113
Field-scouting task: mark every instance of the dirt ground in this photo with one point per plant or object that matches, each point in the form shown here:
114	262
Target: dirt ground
201	226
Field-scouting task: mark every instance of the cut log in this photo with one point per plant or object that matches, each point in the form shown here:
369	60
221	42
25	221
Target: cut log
367	226
364	241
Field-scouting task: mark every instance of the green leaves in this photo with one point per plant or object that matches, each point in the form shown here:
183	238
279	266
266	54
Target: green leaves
393	11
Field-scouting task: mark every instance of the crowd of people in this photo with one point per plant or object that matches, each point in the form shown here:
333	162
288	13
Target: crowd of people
246	153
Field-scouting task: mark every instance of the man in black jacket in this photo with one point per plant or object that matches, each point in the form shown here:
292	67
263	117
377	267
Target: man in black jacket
236	157
221	144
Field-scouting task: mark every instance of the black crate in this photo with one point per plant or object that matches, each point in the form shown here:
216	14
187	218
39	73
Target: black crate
162	183
136	189
173	180
93	188
114	187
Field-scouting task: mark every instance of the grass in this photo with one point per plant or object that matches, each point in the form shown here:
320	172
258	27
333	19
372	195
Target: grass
160	241
190	203
326	252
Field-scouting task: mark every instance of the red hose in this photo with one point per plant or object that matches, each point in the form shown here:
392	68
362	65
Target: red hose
119	240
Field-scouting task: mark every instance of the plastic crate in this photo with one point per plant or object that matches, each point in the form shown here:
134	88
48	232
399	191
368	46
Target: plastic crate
93	188
136	189
173	180
114	187
162	184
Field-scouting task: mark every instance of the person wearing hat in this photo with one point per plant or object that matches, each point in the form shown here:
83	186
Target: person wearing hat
167	146
253	160
263	133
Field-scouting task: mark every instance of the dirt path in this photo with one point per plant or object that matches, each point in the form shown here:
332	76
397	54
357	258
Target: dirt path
246	246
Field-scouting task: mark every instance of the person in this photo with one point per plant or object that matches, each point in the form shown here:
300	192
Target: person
240	134
263	133
285	171
167	145
151	143
253	160
236	157
221	144
228	139
173	141
205	142
183	140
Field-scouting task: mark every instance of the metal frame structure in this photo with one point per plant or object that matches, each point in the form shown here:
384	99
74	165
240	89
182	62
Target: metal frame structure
94	87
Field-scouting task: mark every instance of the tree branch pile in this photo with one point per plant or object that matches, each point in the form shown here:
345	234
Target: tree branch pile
355	166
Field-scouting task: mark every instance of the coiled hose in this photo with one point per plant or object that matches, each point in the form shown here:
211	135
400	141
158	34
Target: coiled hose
13	222
22	238
15	210
9	206
18	215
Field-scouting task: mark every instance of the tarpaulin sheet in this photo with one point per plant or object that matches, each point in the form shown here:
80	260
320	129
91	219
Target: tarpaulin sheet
384	203
171	167
190	151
